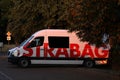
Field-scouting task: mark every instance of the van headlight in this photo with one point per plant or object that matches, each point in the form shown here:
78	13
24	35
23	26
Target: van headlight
8	53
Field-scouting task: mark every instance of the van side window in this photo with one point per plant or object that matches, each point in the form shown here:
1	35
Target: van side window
58	42
36	42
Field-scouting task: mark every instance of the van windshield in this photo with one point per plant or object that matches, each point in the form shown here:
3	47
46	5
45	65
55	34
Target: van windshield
25	41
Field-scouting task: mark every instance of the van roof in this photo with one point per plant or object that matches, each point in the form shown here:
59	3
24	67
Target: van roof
51	32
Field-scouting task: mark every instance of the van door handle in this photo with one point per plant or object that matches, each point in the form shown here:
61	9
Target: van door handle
41	49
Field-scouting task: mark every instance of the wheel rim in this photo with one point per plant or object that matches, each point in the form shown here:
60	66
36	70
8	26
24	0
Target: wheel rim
24	63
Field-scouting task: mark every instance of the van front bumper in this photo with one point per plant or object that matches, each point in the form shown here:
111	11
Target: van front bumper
13	59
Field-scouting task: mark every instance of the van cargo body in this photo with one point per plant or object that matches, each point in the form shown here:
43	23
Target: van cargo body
55	46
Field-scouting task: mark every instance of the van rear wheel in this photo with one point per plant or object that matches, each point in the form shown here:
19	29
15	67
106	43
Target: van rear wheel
23	62
89	63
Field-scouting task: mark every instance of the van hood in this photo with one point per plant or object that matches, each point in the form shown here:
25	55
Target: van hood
10	50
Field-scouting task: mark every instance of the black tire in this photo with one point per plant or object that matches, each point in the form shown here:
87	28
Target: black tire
89	63
24	62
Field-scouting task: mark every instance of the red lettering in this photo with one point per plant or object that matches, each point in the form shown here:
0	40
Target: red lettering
30	52
62	51
74	50
48	51
103	55
38	51
87	51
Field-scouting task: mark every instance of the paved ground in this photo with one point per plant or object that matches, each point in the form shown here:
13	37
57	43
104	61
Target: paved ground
54	72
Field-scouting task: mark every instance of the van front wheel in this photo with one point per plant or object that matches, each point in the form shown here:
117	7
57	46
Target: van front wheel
23	62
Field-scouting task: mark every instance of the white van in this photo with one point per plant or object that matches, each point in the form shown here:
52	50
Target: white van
55	46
